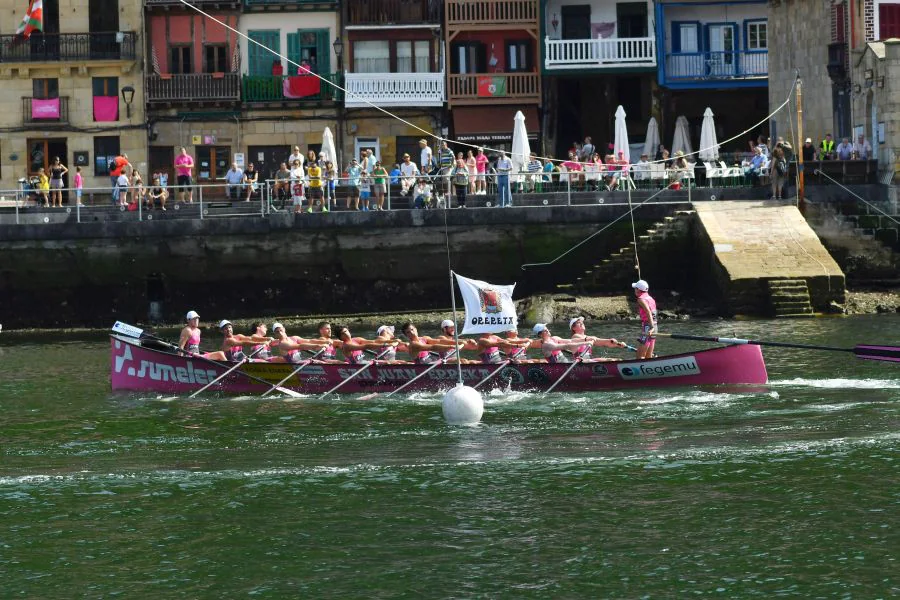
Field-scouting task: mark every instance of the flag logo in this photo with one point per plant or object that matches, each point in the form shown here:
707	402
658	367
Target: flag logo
490	301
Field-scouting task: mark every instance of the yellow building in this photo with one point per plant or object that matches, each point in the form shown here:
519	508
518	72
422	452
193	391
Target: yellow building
74	91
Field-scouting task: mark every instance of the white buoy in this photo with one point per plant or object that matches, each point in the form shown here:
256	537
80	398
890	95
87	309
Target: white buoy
462	405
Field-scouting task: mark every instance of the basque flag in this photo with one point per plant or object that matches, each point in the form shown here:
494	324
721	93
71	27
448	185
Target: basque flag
33	21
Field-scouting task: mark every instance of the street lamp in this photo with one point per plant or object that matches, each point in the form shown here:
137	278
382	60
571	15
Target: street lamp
128	98
338	46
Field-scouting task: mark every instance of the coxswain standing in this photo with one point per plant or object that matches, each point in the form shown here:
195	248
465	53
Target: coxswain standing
424	349
233	343
552	346
576	325
647	310
189	342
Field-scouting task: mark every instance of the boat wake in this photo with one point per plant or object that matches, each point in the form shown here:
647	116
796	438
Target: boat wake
841	383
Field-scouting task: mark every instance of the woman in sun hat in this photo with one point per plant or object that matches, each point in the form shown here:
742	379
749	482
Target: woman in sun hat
189	342
647	310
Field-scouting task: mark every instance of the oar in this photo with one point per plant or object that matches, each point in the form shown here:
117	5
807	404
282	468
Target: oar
575	363
411	381
240	363
865	352
361	369
136	332
494	372
294	372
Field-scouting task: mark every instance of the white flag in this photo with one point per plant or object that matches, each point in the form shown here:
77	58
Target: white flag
489	308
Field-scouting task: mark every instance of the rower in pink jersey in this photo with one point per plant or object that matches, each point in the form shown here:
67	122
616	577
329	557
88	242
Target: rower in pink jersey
576	326
287	348
424	349
354	348
552	346
647	310
232	348
189	341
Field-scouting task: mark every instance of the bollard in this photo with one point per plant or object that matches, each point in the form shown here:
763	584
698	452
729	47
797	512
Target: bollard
200	196
568	191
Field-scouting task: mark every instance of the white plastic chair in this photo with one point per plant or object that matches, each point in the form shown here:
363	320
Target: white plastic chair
658	174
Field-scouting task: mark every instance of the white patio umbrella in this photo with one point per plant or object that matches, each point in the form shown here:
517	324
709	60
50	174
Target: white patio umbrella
328	147
521	149
709	147
621	141
682	140
651	142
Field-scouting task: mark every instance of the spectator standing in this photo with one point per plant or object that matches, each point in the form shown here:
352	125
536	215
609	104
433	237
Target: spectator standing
137	185
481	161
354	171
282	187
844	149
43	188
119	163
504	167
808	151
79	185
234	177
473	171
862	149
57	171
777	171
184	167
426	158
121	191
380	174
826	148
446	163
297	176
460	178
314	175
365	189
587	150
408	173
660	150
330	174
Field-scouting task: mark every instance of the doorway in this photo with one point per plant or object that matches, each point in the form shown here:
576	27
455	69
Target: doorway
267	159
721	45
103	25
576	22
42	151
214	162
44	44
631	19
366	143
162	159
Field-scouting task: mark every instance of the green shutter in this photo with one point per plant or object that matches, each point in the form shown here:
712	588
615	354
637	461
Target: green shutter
261	59
323	50
293	53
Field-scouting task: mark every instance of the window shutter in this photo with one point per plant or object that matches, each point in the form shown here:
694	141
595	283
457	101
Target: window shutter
259	58
293	53
323	51
676	38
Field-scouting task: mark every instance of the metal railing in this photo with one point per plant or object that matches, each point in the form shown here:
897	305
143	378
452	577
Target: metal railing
392	12
505	12
50	47
599	52
300	3
291	88
394	89
717	65
45	111
193	87
478	88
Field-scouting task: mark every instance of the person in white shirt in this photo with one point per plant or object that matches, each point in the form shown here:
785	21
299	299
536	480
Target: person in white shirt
422	194
297	155
122	184
297	177
641	169
408	172
862	148
424	156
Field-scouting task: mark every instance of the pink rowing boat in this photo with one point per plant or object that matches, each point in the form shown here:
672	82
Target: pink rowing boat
143	366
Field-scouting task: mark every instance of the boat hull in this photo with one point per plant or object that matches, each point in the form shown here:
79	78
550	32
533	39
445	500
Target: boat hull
136	367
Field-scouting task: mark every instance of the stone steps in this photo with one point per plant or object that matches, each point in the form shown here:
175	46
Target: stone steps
789	298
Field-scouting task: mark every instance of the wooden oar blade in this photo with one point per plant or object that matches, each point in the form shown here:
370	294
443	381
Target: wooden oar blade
886	353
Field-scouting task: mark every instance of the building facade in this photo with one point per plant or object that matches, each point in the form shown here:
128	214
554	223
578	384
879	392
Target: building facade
72	91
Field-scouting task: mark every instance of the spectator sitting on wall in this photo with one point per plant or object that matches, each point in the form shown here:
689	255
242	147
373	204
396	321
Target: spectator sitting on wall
862	149
844	150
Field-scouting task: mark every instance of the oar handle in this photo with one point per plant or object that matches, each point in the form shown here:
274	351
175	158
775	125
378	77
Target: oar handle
726	340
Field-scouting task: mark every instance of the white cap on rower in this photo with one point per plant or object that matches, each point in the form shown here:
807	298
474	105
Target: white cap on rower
277	326
575	320
384	328
640	284
223	323
539	328
191	315
447	323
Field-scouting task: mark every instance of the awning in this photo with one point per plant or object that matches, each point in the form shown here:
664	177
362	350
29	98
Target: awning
484	124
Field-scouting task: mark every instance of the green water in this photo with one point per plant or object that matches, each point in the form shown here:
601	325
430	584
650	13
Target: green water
788	491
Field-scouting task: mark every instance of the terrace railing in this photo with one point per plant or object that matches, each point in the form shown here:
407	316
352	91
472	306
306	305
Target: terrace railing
394	89
194	87
53	47
597	53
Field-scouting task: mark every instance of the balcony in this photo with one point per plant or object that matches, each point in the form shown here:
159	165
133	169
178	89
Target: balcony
599	53
490	13
708	69
294	89
212	88
44	112
55	47
394	89
263	5
393	12
493	88
215	4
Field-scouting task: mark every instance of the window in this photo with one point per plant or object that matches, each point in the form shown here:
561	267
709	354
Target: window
468	57
757	35
215	59
686	38
180	62
106	99
518	56
412	56
105	86
213	162
106	149
312	46
888	21
45	89
372	56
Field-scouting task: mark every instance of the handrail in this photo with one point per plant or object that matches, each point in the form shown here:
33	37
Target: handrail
855	195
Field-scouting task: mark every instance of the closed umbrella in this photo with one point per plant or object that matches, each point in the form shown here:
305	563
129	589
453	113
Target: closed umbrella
651	142
328	147
621	140
709	147
521	149
682	140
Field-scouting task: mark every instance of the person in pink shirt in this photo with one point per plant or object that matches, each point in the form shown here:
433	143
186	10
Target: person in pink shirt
79	185
472	166
481	162
184	166
573	166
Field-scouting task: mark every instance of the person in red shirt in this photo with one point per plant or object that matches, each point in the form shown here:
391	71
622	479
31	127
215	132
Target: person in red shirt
115	169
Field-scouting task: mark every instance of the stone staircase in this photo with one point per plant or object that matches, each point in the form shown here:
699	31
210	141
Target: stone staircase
789	298
618	270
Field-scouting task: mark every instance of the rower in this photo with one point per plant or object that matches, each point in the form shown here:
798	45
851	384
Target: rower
233	343
329	355
289	347
262	350
423	349
576	326
647	310
189	342
552	346
516	348
448	331
489	345
354	348
388	349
